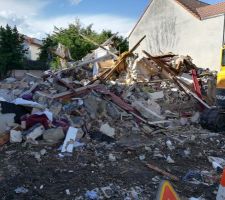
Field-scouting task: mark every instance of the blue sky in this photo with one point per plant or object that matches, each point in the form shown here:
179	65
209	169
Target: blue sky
212	1
127	8
38	17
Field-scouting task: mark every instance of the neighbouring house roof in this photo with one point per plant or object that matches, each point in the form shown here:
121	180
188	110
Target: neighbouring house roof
211	10
203	10
33	41
192	6
199	9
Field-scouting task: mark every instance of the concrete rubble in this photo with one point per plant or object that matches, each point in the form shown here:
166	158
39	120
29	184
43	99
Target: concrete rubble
114	133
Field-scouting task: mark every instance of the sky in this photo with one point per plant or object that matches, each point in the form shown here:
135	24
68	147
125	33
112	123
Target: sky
36	18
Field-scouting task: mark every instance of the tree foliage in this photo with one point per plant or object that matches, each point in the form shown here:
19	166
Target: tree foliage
79	47
11	49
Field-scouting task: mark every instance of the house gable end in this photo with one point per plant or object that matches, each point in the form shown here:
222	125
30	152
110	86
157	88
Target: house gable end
141	17
189	5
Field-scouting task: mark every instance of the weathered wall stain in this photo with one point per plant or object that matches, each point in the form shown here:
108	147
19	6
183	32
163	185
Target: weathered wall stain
171	28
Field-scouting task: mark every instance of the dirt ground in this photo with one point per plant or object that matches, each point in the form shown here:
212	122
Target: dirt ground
89	167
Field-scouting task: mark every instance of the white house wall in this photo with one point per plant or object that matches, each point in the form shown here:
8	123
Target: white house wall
171	28
34	52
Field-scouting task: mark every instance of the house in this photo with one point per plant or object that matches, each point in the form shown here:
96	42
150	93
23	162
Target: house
33	48
186	27
31	65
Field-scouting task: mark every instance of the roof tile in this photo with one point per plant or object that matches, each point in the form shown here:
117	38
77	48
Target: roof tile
211	10
192	6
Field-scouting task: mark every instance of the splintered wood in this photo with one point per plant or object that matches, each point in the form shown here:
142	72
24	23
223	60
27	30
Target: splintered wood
163	172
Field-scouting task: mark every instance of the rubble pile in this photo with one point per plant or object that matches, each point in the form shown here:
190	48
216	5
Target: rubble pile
52	104
114	135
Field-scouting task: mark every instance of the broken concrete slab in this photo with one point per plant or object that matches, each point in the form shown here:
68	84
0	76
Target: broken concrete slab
112	111
107	130
6	122
56	108
95	106
150	110
98	136
21	190
6	94
23	102
15	136
112	157
195	118
33	133
78	122
133	141
156	95
60	88
69	141
10	80
53	135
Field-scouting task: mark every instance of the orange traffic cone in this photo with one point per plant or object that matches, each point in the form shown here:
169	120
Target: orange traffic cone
221	191
166	192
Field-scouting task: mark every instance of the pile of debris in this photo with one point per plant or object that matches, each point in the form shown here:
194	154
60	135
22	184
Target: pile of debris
54	105
125	104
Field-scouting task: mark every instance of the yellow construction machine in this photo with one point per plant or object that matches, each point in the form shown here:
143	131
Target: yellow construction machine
221	79
214	118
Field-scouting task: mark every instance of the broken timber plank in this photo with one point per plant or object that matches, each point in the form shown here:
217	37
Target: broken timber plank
4	138
181	84
63	82
69	93
122	58
163	172
82	63
99	45
166	68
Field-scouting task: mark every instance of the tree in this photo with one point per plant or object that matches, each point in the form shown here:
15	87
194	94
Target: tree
120	42
79	47
11	49
70	37
48	44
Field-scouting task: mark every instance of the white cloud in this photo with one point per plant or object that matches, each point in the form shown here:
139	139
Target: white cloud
18	12
25	15
8	17
75	2
100	22
23	7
